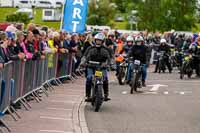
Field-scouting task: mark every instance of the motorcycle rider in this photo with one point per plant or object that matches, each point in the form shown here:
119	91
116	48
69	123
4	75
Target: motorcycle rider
97	53
166	48
138	52
123	50
129	44
194	50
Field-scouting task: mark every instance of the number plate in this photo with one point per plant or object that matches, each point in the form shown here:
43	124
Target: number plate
137	62
187	58
98	74
198	47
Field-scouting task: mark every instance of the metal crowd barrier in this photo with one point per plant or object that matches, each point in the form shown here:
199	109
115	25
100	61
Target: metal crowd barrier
5	93
20	79
6	74
66	68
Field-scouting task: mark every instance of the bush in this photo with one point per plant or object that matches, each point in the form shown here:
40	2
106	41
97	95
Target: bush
18	17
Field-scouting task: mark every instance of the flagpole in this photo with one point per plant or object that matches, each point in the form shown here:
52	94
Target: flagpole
63	9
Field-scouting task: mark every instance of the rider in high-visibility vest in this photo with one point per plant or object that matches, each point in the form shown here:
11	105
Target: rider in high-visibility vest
118	51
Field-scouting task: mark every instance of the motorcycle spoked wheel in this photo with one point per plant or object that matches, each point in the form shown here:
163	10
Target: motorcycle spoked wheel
122	76
133	83
98	98
161	66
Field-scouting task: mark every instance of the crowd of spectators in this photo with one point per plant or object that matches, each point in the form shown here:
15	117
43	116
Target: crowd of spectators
35	42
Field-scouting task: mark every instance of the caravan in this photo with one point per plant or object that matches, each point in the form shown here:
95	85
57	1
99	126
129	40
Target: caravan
59	3
45	4
34	3
6	3
51	15
23	3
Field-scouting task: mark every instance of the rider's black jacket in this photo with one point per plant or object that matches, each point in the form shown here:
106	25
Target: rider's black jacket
138	53
100	54
165	48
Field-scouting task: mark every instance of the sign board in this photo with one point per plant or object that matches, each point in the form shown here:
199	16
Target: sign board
74	17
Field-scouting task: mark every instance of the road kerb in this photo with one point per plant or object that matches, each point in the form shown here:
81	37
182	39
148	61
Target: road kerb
83	123
78	116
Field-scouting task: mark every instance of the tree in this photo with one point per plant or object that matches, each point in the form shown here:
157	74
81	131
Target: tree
125	6
100	12
149	13
18	17
164	15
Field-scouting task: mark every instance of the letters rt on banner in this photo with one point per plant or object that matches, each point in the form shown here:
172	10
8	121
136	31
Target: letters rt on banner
74	17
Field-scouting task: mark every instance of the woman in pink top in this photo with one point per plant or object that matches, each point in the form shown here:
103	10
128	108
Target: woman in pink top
20	39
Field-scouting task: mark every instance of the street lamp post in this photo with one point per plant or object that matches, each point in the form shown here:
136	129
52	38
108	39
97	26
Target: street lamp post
133	20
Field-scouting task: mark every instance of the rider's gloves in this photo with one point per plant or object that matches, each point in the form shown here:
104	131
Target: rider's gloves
104	65
83	62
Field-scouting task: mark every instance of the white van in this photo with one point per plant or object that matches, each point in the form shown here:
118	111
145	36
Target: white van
45	4
6	3
23	3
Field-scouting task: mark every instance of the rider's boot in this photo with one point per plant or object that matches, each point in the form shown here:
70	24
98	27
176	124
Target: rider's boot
88	99
143	83
106	91
106	98
128	81
88	91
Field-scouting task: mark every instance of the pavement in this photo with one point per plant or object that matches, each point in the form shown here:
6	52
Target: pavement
167	105
61	112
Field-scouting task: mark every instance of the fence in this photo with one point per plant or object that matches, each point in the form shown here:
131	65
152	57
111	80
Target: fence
20	79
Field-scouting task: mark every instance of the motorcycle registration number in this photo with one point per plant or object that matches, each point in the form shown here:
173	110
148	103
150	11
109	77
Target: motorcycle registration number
137	62
187	58
98	74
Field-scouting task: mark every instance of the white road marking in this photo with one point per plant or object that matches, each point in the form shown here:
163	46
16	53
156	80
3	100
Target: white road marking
150	92
54	131
56	101
124	92
54	118
166	92
182	92
155	87
61	109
